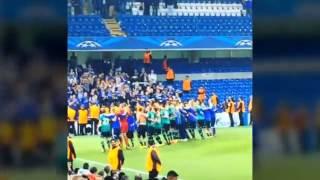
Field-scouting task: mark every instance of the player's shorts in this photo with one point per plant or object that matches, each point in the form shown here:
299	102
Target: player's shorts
124	127
173	124
130	134
192	124
116	133
166	127
213	122
200	123
157	131
208	124
94	120
150	130
106	134
142	129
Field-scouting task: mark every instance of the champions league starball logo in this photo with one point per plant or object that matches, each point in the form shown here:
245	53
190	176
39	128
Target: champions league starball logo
245	43
170	43
88	44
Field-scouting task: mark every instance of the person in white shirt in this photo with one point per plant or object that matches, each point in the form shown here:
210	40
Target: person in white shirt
152	77
84	170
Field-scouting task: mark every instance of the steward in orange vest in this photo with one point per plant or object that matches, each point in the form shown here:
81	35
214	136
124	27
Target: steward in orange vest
147	58
71	154
201	94
71	114
82	120
241	109
231	110
153	164
115	157
170	75
186	84
94	112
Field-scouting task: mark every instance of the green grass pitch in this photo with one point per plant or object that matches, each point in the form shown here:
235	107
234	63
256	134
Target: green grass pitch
228	156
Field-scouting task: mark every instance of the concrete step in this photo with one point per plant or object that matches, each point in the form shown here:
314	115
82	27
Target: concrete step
114	28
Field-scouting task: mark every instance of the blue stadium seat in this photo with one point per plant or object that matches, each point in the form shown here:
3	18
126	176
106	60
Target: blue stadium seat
86	26
186	25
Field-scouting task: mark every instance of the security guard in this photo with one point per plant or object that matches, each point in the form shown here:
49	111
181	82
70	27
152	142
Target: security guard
115	157
201	94
241	110
153	163
186	85
170	76
71	154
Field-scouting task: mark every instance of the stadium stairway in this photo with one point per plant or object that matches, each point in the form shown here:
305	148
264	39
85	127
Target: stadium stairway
113	26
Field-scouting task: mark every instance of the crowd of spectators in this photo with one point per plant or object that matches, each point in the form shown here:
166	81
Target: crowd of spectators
85	87
92	173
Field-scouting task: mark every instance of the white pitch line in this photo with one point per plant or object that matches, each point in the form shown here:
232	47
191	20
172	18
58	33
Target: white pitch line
126	169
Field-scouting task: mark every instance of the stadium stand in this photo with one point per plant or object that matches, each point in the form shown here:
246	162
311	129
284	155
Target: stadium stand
206	65
188	18
82	25
193	8
185	25
224	88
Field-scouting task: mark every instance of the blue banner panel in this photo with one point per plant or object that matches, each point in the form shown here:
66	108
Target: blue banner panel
158	43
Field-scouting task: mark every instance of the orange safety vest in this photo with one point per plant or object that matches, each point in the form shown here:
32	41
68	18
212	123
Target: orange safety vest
186	86
170	74
83	116
6	133
94	111
232	108
146	58
70	153
241	107
149	163
226	106
113	159
71	114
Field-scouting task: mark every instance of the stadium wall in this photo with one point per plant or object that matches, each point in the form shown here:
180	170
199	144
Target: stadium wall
210	76
83	56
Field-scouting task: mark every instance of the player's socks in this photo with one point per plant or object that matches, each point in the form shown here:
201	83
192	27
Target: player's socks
132	142
169	136
208	132
109	143
192	133
103	146
213	131
201	133
165	138
158	139
141	142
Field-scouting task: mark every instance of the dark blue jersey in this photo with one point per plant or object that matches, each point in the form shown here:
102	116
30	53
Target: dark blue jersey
132	123
115	122
207	113
191	115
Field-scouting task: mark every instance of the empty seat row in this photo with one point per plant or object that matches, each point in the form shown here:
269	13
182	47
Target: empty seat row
185	26
84	25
